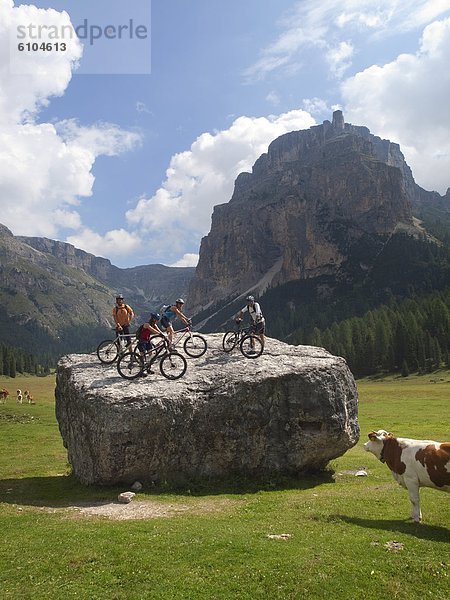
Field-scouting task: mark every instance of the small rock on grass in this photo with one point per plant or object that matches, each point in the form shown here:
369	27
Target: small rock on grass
393	545
361	473
125	497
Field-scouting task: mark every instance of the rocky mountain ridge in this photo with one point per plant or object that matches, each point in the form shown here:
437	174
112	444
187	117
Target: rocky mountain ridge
146	286
322	202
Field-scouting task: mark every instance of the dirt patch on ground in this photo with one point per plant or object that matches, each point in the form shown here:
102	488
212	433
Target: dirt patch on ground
150	509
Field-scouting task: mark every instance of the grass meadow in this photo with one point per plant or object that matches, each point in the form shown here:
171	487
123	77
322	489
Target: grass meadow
330	536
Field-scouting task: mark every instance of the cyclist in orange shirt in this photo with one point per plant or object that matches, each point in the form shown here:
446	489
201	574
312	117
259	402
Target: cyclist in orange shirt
123	315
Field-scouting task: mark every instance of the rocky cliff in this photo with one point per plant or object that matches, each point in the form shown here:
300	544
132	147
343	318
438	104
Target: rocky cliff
145	286
291	411
321	202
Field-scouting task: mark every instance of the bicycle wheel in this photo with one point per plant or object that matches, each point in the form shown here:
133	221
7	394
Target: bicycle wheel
195	345
229	341
173	365
108	351
130	365
251	346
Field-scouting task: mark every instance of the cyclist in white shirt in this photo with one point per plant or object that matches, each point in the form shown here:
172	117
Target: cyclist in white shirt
258	322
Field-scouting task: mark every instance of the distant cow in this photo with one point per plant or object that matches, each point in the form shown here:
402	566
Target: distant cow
414	463
29	397
3	395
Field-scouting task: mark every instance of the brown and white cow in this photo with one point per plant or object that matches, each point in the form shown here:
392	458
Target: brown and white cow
414	463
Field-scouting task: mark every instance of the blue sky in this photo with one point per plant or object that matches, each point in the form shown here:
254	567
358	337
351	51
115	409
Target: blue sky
128	166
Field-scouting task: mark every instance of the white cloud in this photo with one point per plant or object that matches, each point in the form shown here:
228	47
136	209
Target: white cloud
46	76
338	58
179	213
317	106
329	24
45	168
406	101
104	139
188	260
115	243
274	98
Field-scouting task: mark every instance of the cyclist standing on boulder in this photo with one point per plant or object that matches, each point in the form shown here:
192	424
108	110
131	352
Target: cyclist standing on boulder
123	315
169	314
258	322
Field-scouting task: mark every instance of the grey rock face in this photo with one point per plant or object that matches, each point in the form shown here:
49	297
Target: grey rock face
310	204
290	411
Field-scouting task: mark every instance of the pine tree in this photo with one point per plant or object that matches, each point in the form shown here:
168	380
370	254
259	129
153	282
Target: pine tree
421	354
5	362
12	366
382	343
437	354
405	369
315	338
20	361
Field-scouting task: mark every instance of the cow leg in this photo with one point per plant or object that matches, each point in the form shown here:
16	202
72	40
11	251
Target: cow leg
413	492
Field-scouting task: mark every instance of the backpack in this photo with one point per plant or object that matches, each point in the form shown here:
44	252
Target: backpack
164	307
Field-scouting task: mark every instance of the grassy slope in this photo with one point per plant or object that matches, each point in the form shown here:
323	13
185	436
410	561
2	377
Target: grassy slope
339	525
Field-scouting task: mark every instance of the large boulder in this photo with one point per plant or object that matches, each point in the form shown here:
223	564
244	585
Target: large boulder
289	411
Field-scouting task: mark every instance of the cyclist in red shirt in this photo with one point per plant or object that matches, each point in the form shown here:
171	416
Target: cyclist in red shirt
146	331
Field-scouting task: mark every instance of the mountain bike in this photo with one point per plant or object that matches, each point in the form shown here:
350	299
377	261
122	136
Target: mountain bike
249	342
194	345
134	364
109	350
233	337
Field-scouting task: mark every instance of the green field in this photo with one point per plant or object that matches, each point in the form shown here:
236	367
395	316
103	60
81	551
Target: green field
345	537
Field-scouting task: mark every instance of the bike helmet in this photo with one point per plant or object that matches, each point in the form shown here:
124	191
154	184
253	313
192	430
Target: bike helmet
179	301
119	297
155	316
250	299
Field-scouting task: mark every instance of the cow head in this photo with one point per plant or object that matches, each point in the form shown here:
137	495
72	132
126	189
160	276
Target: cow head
376	442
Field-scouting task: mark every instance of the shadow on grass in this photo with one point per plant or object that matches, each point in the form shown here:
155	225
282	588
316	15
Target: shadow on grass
419	530
65	490
54	492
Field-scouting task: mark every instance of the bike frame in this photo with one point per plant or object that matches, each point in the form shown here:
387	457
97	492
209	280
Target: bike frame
241	331
122	337
180	334
122	341
149	356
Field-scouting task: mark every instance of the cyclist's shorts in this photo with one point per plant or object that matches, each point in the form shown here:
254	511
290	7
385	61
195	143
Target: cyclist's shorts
145	346
165	322
259	328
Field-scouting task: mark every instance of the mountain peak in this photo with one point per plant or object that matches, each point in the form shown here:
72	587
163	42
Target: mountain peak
316	199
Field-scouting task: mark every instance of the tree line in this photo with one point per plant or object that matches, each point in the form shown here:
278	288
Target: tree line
14	361
411	335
